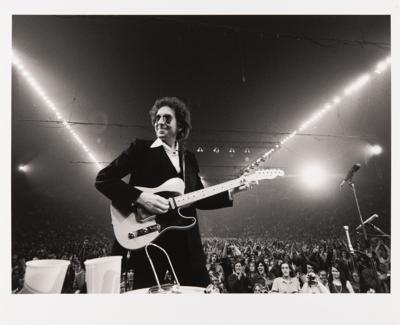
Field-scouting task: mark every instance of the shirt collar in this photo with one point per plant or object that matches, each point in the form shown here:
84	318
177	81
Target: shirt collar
159	143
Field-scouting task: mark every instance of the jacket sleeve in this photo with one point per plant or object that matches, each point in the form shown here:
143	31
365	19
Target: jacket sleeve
109	180
217	201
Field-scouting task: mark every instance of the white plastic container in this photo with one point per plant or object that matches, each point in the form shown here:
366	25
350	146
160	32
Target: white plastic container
45	276
103	274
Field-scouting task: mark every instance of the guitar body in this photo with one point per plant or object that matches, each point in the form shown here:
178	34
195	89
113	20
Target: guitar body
136	229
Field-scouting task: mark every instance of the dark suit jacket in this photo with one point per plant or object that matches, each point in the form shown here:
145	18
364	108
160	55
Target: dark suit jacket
150	167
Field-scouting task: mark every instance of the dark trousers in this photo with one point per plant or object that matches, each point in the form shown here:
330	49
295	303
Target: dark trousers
187	273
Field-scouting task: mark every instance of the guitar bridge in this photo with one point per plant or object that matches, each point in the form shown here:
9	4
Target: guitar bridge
144	231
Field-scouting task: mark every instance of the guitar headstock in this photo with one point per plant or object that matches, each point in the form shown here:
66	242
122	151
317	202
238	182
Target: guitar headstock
265	174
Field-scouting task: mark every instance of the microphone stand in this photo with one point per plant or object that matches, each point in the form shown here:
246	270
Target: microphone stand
369	247
379	230
353	189
351	249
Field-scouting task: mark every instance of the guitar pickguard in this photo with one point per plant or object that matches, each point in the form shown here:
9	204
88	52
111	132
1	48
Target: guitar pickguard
140	227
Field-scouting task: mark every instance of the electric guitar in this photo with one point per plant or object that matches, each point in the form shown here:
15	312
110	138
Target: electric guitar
138	227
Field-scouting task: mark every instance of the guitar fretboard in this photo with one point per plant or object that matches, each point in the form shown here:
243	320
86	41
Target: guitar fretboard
192	197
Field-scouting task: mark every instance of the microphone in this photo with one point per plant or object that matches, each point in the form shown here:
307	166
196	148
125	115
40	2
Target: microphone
346	229
350	174
379	230
370	219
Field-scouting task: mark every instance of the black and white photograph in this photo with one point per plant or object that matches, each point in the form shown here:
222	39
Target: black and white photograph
201	154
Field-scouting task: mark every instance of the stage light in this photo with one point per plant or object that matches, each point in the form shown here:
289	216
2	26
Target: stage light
35	85
381	65
302	127
364	79
265	155
336	100
23	168
376	149
216	150
313	175
200	149
355	85
361	81
15	60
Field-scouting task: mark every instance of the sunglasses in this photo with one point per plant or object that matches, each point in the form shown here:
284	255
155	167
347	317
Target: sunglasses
167	118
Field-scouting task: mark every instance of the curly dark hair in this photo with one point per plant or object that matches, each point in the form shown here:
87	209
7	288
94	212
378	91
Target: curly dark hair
182	114
263	264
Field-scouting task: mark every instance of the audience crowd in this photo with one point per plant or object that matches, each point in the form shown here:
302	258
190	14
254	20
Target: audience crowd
271	265
288	259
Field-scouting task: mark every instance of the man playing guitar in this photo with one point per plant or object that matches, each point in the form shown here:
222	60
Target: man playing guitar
150	164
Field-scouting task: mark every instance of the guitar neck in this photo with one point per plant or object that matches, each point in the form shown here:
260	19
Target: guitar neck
195	196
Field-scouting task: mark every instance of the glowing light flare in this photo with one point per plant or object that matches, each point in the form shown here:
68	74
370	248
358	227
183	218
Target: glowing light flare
216	150
15	60
313	175
383	65
303	126
23	168
285	140
359	83
267	154
337	100
375	150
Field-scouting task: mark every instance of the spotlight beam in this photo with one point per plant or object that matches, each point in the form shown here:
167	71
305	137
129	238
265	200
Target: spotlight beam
42	94
337	99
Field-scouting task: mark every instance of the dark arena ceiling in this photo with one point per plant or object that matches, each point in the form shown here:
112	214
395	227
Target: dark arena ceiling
249	81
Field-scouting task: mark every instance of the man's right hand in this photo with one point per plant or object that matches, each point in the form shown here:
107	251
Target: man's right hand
153	203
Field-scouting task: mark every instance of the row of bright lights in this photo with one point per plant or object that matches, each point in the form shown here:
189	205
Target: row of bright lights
217	150
350	89
35	85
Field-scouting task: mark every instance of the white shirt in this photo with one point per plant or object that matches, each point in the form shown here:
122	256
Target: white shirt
172	154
